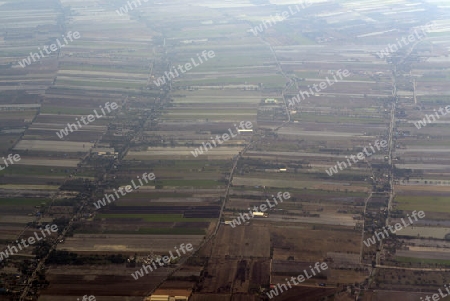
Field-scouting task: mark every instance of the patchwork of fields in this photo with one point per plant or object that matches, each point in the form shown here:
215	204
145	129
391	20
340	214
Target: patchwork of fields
208	174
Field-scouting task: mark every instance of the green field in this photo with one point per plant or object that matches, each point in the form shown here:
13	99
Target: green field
98	83
66	110
21	201
18	114
423	261
425	203
191	183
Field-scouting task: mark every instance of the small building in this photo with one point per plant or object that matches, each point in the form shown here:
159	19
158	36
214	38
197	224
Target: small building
271	100
105	152
245	131
260	214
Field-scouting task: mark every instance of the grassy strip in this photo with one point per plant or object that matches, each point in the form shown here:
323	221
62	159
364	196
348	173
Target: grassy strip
21	201
422	260
193	183
425	203
155	217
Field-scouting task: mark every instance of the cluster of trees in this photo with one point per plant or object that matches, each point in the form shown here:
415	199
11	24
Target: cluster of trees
65	257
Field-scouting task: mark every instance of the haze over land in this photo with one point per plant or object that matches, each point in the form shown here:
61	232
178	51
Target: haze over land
160	136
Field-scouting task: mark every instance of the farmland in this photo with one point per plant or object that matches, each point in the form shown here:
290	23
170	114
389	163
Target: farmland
182	126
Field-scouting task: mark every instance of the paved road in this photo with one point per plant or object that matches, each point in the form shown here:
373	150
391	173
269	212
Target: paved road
391	145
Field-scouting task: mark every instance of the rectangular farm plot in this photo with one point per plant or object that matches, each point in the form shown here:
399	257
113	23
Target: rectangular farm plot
132	243
243	241
52	146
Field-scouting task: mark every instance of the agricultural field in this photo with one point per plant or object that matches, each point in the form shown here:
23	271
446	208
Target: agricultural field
168	122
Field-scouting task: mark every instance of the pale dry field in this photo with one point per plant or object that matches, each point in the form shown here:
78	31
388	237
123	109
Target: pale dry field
308	244
54	146
247	241
28	187
16	219
424	232
127	243
324	219
281	183
440	167
332	135
48	162
421	188
424	252
175	153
